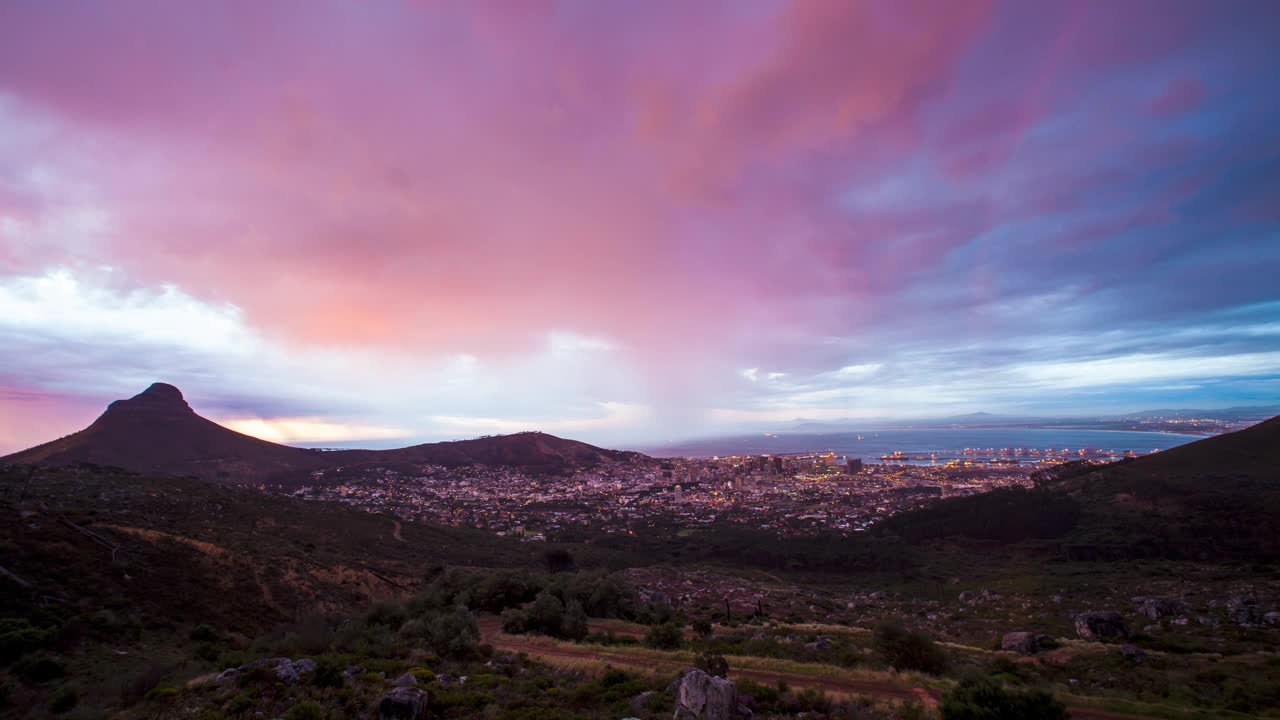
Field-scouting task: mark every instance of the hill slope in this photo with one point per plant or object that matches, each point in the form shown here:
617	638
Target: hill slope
157	432
1214	498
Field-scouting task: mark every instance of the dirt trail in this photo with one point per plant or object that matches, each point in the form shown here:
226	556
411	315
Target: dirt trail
490	629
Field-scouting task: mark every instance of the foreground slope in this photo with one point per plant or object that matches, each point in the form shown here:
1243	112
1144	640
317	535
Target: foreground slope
157	432
189	550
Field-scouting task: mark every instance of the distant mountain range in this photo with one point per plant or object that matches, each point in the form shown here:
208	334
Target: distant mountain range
1242	413
156	431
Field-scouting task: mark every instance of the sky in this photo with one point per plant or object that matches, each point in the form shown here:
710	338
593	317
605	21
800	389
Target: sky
373	223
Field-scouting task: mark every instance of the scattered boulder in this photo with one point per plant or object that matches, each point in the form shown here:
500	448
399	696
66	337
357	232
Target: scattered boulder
1271	618
1133	653
406	680
821	643
1101	624
1243	611
700	696
285	670
640	703
1025	643
403	703
1159	607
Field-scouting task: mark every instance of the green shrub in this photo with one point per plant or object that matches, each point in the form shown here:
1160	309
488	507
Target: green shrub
203	633
390	615
985	699
328	673
305	711
39	669
161	694
666	636
65	698
515	621
713	664
907	649
455	634
18	637
239	704
701	628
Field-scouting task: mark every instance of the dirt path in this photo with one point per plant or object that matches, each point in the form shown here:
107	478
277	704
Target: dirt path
572	655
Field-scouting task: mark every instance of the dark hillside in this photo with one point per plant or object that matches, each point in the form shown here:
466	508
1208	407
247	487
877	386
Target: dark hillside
1218	498
187	550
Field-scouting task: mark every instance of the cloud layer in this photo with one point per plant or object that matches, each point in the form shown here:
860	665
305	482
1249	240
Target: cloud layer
622	220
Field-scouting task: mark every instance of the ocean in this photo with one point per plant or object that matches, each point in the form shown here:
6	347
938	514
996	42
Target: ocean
926	445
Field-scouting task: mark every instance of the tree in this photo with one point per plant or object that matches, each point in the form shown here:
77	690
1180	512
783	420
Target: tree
985	699
907	649
546	614
664	636
558	560
574	623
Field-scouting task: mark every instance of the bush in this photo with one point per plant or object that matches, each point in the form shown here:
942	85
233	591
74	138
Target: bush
386	614
161	694
65	698
328	674
985	699
666	636
204	633
701	628
18	637
713	664
515	621
305	711
907	649
37	670
454	634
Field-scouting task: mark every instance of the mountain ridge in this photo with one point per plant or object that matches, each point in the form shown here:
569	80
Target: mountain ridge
157	431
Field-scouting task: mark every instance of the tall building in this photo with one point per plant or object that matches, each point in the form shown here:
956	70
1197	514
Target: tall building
679	495
853	466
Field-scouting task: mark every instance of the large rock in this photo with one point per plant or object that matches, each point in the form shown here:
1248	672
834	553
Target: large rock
1158	607
403	703
1101	624
1026	643
1244	611
640	703
700	696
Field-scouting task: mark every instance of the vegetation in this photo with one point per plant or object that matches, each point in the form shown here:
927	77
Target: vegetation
908	649
986	699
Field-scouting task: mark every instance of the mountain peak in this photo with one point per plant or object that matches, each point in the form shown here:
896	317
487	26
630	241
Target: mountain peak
160	392
158	399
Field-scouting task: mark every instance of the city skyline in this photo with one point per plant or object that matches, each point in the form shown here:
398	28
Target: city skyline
381	223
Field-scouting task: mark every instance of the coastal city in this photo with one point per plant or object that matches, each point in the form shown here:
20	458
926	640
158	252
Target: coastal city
792	495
